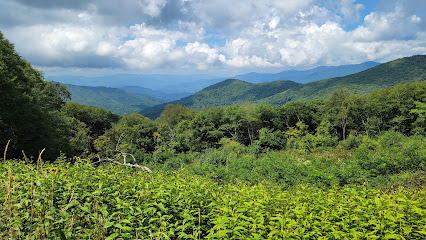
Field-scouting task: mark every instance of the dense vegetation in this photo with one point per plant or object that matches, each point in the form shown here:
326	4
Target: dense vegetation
348	166
78	201
113	99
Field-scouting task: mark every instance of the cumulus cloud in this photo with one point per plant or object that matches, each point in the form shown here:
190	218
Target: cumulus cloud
152	7
180	34
396	25
351	11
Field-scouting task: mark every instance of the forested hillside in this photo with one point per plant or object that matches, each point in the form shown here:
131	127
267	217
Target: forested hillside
164	95
409	69
226	93
112	99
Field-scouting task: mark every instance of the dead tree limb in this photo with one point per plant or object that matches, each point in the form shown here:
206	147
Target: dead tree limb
135	165
124	155
5	150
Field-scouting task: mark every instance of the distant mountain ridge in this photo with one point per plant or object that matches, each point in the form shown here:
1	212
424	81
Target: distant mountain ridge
178	84
181	85
112	99
308	76
232	91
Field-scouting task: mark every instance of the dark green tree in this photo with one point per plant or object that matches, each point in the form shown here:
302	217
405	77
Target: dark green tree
170	126
29	107
134	134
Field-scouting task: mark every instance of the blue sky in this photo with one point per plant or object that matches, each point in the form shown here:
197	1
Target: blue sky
212	37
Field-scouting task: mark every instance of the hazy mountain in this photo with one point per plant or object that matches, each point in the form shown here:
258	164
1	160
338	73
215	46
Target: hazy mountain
178	84
181	85
307	76
112	99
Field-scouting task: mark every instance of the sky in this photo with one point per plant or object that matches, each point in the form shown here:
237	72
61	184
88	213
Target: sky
212	37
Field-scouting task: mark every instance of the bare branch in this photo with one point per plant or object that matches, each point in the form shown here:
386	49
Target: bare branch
5	150
124	164
39	156
118	142
25	157
124	155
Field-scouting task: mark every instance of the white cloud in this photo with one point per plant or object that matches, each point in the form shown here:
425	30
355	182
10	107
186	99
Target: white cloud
181	34
152	7
351	11
399	24
291	6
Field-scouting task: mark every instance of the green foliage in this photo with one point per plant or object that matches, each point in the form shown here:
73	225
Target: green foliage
29	107
309	159
78	201
273	140
84	124
393	153
96	118
132	134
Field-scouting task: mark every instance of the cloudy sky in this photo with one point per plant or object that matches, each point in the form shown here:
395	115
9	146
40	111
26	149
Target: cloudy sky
215	37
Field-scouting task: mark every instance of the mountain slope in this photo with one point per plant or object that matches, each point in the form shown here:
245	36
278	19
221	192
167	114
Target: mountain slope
226	93
164	95
307	76
409	69
112	99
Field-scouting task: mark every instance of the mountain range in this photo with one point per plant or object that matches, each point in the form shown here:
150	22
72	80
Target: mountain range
174	86
233	91
251	87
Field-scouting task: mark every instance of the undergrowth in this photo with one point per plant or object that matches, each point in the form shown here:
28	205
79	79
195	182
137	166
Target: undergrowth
79	201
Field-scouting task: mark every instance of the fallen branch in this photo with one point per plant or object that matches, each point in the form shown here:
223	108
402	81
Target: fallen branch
123	164
124	155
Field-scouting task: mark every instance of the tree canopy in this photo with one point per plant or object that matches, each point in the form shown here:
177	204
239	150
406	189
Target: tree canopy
28	105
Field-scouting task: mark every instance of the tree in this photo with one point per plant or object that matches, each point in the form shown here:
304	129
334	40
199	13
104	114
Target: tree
169	121
336	111
29	107
135	132
420	123
97	119
205	128
85	124
290	114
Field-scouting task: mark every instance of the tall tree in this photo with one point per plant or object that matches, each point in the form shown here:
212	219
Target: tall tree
29	106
